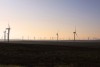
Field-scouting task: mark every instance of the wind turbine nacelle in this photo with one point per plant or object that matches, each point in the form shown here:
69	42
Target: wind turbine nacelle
7	28
74	32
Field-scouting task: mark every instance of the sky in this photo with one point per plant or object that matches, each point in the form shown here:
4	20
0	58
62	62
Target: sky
42	19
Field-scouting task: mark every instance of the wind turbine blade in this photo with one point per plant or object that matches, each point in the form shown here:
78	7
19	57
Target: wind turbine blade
8	26
76	35
75	28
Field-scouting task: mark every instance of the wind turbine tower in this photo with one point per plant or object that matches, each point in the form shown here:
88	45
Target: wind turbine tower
57	36
22	37
5	35
8	29
75	34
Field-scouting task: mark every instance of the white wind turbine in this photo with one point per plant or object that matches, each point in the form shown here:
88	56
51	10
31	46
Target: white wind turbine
8	29
5	35
75	34
57	36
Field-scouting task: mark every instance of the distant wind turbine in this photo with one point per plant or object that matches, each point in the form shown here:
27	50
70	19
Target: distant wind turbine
22	37
5	35
88	38
34	37
28	37
8	29
52	38
75	34
57	36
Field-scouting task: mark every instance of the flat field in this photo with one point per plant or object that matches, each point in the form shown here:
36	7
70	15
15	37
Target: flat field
50	54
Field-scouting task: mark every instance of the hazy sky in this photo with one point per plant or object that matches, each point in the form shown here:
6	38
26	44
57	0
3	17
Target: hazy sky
44	18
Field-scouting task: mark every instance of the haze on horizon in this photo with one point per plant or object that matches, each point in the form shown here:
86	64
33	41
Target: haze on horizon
44	18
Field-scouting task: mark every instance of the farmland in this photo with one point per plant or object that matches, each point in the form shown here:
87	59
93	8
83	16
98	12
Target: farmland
50	54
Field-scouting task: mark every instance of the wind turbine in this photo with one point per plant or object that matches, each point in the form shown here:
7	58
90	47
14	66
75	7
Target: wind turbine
75	34
34	37
22	37
5	35
88	38
8	31
57	36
